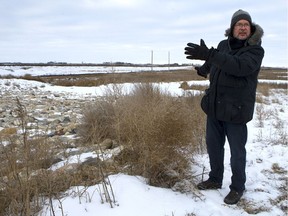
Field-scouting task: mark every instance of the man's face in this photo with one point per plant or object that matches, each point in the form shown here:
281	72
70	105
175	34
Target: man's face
242	30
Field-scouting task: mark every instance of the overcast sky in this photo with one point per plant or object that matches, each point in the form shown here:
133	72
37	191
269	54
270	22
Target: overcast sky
97	31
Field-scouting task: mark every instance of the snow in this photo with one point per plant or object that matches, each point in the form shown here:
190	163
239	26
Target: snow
134	197
67	70
73	92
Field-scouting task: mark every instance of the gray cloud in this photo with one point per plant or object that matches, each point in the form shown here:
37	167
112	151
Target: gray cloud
127	30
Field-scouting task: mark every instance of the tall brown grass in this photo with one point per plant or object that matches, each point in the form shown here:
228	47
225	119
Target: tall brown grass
19	157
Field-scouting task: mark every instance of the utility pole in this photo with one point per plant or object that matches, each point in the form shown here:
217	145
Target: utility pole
169	60
151	60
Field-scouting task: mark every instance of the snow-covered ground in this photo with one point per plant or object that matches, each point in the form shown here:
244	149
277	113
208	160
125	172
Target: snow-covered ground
67	70
266	170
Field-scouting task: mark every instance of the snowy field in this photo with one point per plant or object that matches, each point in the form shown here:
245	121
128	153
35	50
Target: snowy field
266	168
67	70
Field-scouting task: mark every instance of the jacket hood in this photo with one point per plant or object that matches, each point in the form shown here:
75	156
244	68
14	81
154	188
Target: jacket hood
255	38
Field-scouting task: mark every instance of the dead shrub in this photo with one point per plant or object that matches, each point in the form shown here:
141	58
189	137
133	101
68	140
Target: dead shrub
97	122
155	128
51	183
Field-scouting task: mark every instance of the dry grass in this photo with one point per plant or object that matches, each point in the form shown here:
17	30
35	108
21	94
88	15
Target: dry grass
98	79
19	157
25	182
251	207
273	74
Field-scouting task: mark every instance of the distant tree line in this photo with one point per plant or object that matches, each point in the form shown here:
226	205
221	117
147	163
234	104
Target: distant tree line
52	63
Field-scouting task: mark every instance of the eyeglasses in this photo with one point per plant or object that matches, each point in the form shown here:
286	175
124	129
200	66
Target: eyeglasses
241	25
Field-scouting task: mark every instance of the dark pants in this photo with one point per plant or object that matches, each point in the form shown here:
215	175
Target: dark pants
236	134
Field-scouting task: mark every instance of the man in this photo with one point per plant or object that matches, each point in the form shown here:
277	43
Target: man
229	101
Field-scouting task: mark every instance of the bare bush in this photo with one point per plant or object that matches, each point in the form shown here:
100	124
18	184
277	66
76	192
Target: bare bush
155	128
98	122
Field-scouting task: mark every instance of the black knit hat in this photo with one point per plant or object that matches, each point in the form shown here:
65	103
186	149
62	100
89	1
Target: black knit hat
238	15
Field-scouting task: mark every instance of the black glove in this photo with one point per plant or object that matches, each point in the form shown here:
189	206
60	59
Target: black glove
201	72
195	51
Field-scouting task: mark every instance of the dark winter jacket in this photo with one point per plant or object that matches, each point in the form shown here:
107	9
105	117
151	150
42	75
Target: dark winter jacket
233	69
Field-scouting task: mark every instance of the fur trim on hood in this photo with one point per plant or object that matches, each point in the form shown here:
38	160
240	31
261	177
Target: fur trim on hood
255	38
